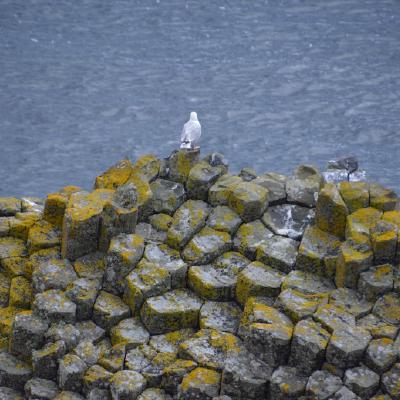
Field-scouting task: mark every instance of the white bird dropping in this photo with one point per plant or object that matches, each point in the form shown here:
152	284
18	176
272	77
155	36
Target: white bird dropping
191	133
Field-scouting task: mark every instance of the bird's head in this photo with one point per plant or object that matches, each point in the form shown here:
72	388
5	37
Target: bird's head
193	116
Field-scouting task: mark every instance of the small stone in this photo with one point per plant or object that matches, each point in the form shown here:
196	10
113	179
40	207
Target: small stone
7	315
123	255
377	327
390	382
249	236
288	220
10	394
221	316
90	331
96	377
68	333
286	383
174	373
125	385
222	218
248	200
344	394
43	389
20	295
11	247
376	281
354	194
352	301
115	176
108	310
87	352
170	259
168	343
9	206
361	221
309	343
387	307
380	355
83	292
180	163
266	332
99	394
381	198
129	332
278	252
22	223
333	317
384	241
43	235
146	167
200	179
45	361
219	193
244	376
187	221
347	346
160	222
362	381
167	196
258	279
90	266
154	394
113	359
70	372
275	184
201	384
53	274
14	373
146	280
316	249
55	306
27	333
322	385
171	311
307	283
248	174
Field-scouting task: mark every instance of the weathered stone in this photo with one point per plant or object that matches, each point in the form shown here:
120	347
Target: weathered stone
68	333
154	394
4	289
354	258
266	331
316	251
108	310
83	292
43	235
249	236
171	311
146	167
286	383
17	266
347	346
217	159
384	238
387	307
209	348
334	317
248	174
219	193
125	385
248	200
96	377
9	206
244	376
87	352
168	343
90	266
167	196
123	255
354	194
275	184
113	358
7	315
309	343
361	221
129	332
331	211
22	223
307	283
278	252
45	361
352	301
81	222
344	394
180	163
115	176
187	221
303	187
68	395
14	373
90	331
5	226
165	257
377	327
20	295
390	382
55	306
321	385
376	281
10	394
160	222
221	316
288	220
362	381
222	218
174	373
381	198
206	245
27	333
380	355
200	384
70	372
53	274
11	247
43	389
258	279
98	394
201	177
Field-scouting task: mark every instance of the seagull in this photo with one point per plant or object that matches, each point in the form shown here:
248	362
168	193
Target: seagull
191	133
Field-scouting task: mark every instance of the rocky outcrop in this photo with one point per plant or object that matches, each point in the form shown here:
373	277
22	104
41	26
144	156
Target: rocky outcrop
175	280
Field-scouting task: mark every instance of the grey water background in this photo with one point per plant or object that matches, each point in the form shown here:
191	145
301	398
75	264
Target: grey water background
275	83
